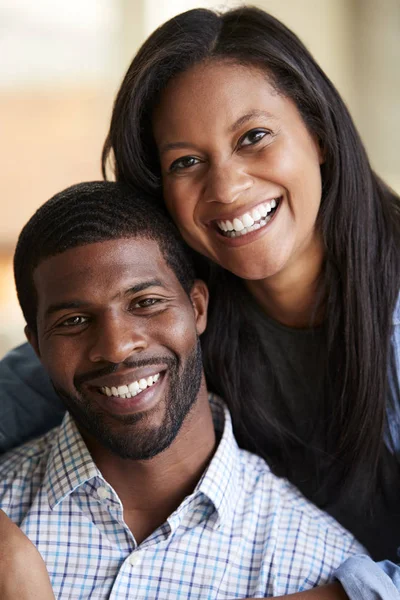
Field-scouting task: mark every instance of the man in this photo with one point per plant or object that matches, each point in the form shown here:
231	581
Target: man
142	491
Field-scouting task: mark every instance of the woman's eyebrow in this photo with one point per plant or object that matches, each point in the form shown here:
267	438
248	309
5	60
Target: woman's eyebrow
238	123
247	117
176	146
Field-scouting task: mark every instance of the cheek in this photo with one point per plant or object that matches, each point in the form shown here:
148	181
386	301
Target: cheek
301	176
184	217
180	200
60	360
311	190
179	330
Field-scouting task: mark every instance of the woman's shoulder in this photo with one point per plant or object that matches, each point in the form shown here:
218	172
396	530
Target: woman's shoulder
21	367
29	405
15	360
396	312
392	431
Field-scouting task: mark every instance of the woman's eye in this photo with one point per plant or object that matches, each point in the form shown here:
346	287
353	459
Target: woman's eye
74	322
253	136
183	163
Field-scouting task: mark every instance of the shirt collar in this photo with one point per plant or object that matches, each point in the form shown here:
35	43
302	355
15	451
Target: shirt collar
220	481
70	464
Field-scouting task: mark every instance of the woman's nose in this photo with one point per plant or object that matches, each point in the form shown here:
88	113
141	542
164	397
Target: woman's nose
226	183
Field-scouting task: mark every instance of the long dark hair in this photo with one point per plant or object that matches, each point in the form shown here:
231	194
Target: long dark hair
358	219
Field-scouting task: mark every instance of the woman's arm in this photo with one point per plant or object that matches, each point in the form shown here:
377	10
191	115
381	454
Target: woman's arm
362	578
29	405
332	591
23	574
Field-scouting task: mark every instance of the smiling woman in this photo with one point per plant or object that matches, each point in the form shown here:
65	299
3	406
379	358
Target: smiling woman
256	157
264	173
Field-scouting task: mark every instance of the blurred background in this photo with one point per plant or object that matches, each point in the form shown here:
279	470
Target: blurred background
62	62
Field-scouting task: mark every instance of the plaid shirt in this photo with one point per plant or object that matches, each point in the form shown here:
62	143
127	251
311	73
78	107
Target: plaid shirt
242	532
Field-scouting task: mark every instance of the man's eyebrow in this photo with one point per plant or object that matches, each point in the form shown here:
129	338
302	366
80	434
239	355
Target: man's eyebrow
134	289
143	285
247	117
56	307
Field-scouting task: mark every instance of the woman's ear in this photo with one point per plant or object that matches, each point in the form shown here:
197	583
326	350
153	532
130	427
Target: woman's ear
199	298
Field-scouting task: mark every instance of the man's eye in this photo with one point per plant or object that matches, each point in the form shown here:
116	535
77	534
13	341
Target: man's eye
147	302
74	322
183	163
252	137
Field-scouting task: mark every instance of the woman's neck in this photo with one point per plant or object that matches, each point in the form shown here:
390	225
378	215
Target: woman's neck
291	296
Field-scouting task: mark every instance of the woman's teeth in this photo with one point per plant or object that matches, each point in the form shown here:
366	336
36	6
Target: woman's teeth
131	390
250	221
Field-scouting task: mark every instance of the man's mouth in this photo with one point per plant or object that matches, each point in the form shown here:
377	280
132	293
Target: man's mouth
250	221
131	389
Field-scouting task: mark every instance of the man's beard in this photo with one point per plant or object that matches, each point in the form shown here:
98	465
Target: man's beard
141	442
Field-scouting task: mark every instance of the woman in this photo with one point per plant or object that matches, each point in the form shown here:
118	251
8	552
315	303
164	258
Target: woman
264	173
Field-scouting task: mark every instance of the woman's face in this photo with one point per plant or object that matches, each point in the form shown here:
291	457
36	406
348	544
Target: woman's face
241	172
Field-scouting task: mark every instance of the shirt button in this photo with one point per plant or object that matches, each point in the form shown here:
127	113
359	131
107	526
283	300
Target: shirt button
135	559
102	492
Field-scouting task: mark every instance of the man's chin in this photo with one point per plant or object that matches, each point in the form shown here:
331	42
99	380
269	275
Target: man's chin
139	435
126	436
137	443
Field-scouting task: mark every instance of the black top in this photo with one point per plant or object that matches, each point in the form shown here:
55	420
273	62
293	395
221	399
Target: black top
297	357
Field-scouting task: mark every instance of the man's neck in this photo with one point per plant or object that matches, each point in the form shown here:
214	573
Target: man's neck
151	490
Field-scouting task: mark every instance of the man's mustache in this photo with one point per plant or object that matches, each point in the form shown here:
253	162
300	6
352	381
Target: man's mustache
170	362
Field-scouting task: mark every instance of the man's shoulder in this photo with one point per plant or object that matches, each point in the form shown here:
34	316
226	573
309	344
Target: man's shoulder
276	495
266	498
25	466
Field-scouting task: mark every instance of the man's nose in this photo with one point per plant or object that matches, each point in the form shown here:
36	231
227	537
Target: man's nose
226	182
116	339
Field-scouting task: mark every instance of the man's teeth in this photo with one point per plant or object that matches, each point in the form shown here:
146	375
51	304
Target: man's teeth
128	391
250	221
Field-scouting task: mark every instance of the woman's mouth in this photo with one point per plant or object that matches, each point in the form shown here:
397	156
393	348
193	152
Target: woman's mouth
252	220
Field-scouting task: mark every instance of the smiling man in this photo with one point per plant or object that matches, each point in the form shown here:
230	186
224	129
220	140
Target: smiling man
142	491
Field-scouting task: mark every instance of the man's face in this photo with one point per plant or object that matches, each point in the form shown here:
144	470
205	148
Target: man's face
118	336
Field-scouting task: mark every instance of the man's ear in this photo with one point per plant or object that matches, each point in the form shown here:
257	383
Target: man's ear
31	336
199	298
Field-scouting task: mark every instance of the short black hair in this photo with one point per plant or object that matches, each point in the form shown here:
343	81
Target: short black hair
94	212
